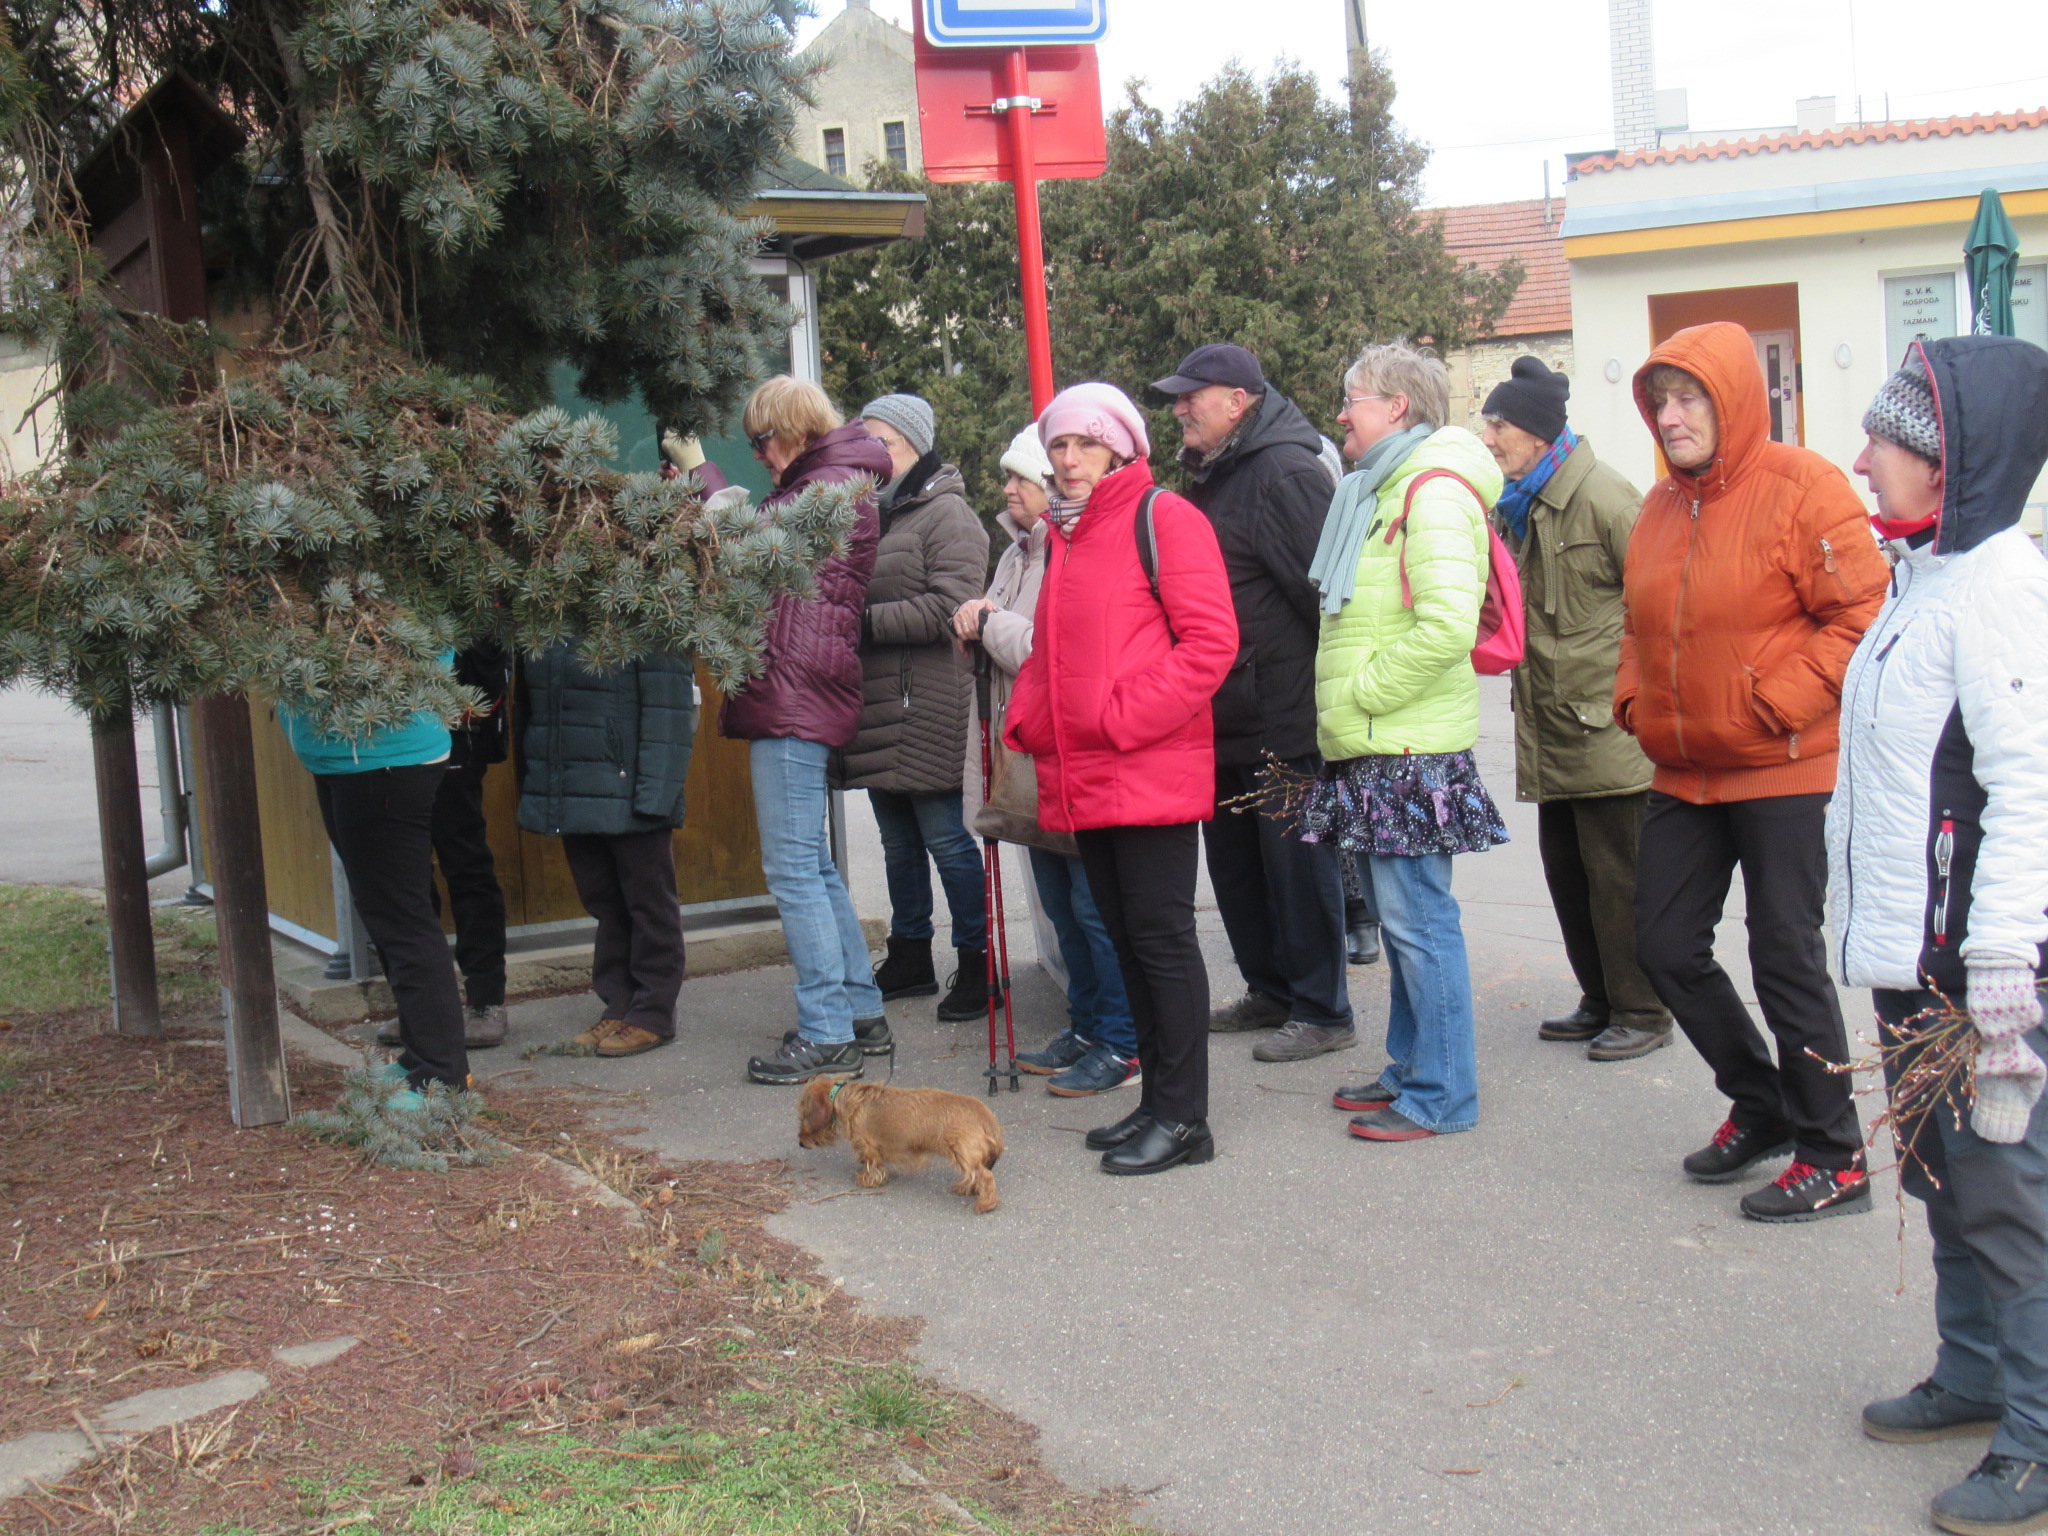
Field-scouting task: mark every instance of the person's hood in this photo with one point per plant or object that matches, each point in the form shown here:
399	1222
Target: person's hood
931	476
1991	400
1018	533
1278	421
1723	358
1451	448
847	447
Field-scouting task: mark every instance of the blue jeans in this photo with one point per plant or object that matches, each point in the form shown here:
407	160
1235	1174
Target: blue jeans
1096	1003
834	982
913	826
1985	1210
1435	1068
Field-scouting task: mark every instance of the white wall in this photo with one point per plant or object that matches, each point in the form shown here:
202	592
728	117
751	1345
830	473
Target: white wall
1841	302
24	376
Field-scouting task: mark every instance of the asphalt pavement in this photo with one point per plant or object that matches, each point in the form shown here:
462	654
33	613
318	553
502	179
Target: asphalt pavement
1536	1327
1539	1326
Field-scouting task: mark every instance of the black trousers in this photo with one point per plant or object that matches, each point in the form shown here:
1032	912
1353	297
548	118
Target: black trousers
380	822
1282	902
628	883
462	847
1589	862
1143	879
1689	854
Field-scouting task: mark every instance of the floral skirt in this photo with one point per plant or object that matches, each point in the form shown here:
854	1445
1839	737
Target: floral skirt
1395	807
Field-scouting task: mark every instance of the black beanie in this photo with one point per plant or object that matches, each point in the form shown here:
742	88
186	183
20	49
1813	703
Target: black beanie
1531	397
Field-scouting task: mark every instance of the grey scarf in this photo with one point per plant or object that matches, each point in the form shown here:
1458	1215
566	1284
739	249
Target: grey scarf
1334	571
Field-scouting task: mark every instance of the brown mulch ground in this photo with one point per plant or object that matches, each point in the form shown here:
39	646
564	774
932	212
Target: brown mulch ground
144	1242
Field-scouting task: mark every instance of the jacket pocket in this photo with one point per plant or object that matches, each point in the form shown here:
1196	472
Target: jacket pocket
1837	581
1583	586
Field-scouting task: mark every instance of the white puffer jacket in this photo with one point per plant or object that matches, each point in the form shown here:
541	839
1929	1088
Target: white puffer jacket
1945	762
1938	830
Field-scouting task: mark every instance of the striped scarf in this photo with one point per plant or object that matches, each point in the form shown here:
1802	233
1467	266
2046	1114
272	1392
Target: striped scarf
1519	495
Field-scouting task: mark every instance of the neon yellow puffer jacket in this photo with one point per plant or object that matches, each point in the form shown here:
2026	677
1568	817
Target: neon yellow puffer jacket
1391	677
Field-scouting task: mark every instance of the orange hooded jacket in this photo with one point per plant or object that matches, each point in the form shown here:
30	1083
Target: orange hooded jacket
1747	585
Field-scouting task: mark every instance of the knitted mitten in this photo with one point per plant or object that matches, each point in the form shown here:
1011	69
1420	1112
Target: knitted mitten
2003	1005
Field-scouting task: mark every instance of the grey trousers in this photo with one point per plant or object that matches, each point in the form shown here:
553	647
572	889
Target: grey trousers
1987	1208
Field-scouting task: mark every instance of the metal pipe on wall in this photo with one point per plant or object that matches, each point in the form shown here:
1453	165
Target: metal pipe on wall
170	797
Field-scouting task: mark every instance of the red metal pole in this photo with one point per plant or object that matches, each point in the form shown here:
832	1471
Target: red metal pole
1030	236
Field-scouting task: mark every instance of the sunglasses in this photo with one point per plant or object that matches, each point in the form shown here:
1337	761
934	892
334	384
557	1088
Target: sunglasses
758	441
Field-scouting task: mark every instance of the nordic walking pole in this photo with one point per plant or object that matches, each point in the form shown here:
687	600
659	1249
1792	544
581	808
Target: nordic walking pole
996	943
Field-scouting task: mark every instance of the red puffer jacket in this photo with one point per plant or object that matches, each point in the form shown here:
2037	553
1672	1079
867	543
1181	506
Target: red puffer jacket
811	686
1112	704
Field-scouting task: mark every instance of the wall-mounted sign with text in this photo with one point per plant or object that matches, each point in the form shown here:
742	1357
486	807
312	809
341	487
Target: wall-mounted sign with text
1930	304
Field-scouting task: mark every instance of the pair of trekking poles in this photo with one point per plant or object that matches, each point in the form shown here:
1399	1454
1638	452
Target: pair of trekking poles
998	945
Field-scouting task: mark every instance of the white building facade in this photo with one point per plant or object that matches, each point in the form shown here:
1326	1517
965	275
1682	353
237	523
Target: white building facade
1834	248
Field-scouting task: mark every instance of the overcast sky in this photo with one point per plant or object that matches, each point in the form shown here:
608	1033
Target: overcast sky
1497	88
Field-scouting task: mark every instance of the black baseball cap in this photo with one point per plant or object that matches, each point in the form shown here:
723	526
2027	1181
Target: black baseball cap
1220	363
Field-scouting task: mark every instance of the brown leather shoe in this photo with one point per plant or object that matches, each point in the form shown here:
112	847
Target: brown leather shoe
1620	1042
630	1040
602	1030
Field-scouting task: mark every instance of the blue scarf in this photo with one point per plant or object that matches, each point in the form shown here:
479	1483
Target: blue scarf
1334	571
1518	495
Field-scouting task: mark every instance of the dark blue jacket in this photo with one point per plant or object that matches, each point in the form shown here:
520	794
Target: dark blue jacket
605	752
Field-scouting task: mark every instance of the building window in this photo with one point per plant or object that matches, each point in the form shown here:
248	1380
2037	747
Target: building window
835	151
896	145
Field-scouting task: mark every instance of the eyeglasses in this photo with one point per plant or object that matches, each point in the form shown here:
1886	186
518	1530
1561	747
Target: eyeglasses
1351	400
758	441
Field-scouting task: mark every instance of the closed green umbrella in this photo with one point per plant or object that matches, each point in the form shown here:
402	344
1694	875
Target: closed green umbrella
1991	255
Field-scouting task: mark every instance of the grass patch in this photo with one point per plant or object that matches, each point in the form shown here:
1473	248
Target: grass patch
53	952
892	1402
800	1468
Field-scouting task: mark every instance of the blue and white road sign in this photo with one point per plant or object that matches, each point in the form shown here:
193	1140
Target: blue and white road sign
1013	23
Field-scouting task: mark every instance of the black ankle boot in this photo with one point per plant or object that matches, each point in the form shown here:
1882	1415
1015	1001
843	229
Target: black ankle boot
969	997
907	971
1162	1145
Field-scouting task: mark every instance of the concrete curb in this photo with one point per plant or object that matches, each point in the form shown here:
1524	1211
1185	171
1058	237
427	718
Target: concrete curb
51	1456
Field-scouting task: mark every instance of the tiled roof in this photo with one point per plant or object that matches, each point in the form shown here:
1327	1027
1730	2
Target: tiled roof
1825	138
1487	234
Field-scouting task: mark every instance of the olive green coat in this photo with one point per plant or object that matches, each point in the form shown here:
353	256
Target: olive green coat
1567	746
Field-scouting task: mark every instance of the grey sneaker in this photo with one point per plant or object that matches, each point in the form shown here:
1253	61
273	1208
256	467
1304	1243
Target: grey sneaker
387	1034
483	1028
871	1035
1254	1010
1298	1041
2003	1494
1929	1412
800	1060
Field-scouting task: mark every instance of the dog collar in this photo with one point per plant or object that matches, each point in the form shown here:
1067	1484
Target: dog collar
833	1096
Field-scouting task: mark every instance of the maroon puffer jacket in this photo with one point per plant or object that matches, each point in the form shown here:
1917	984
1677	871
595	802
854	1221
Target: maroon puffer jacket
811	687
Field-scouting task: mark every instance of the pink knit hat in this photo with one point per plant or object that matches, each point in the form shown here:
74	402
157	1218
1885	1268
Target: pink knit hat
1100	411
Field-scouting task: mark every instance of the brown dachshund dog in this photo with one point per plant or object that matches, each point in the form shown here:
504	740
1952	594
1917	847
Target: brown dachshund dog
903	1128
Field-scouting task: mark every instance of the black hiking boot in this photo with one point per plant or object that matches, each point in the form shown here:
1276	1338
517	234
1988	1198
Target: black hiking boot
968	998
906	971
